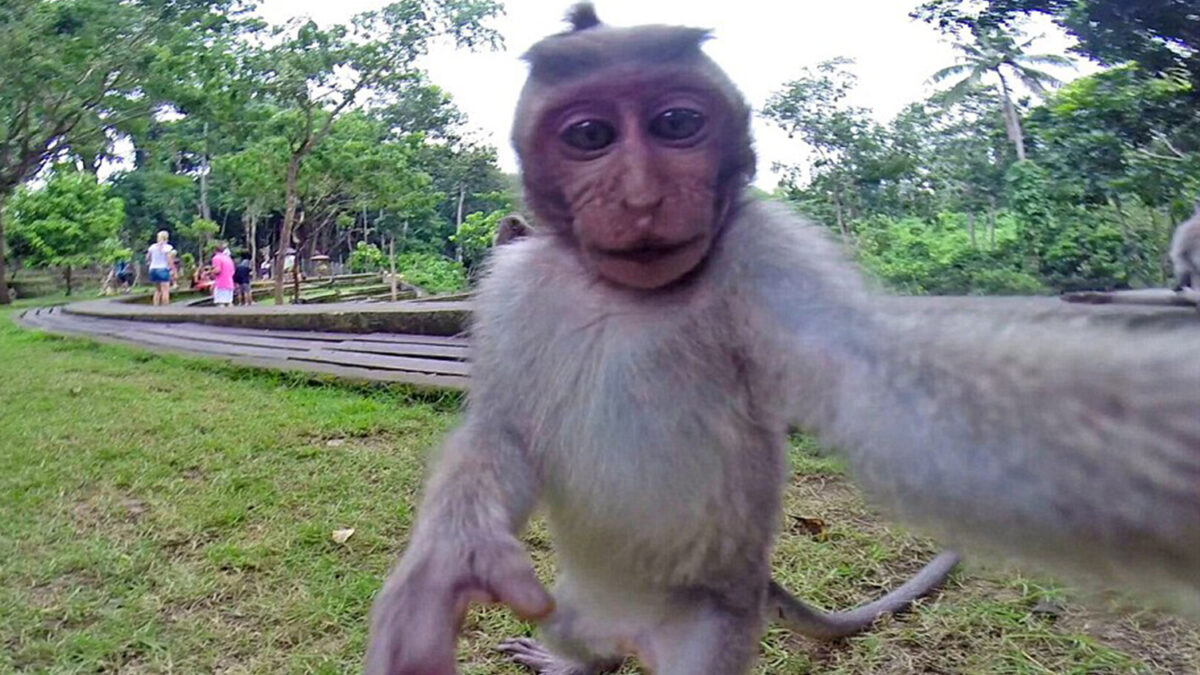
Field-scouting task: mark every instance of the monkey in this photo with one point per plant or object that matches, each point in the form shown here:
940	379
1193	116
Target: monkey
510	228
1185	251
639	360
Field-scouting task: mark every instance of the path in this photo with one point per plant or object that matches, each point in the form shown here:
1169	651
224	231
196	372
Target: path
419	342
423	360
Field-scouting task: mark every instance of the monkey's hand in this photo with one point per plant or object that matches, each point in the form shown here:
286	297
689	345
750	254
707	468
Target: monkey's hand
415	620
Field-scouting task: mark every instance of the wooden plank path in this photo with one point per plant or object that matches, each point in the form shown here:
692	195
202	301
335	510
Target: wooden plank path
441	361
426	361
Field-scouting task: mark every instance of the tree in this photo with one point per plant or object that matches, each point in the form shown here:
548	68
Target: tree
1160	35
69	223
995	52
317	75
74	72
813	107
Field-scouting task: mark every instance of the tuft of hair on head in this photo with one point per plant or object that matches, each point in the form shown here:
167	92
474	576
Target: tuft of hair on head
583	16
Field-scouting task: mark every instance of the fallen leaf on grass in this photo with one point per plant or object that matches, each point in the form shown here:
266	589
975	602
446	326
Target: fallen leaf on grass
340	536
813	527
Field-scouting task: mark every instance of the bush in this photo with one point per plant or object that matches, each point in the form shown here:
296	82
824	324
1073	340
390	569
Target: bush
432	272
912	256
366	258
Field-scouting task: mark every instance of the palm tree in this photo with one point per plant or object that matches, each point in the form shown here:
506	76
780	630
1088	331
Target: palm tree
999	53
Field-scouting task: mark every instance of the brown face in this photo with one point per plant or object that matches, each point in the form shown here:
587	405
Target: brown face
637	167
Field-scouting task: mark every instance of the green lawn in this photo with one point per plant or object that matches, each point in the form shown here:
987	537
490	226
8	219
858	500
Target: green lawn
165	514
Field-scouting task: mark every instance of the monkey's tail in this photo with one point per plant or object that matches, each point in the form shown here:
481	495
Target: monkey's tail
813	623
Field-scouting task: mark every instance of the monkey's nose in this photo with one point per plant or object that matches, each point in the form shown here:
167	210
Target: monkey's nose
646	203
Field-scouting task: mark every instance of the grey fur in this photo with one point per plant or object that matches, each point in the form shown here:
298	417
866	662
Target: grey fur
510	228
651	425
583	16
1185	252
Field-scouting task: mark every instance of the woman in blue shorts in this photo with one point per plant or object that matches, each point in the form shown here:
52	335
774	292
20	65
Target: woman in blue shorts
161	259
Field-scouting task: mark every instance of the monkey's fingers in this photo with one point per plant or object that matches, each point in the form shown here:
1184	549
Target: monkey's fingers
513	583
414	633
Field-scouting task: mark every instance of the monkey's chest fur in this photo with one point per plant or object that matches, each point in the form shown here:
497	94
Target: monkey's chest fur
660	453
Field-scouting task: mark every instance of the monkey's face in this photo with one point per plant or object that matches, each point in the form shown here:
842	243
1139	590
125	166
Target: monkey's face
636	160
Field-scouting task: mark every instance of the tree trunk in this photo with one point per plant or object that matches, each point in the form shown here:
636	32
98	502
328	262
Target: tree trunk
462	193
254	244
841	221
285	231
1164	267
296	277
392	264
205	213
991	223
247	229
1126	243
67	274
5	298
1012	121
971	228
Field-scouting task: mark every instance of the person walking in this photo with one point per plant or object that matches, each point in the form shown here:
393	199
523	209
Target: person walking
160	258
242	276
222	267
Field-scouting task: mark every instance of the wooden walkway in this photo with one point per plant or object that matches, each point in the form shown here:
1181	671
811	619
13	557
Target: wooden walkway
424	351
426	361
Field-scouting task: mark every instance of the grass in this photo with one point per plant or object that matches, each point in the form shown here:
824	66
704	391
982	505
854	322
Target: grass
166	514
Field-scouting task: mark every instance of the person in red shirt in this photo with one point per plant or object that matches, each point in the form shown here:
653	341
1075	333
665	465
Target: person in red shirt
222	266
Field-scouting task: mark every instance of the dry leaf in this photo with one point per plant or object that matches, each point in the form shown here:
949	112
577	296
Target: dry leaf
340	536
813	527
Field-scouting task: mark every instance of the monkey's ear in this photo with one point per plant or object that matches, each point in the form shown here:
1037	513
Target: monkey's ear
583	16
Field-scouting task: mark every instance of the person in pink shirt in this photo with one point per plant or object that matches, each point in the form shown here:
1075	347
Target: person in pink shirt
222	266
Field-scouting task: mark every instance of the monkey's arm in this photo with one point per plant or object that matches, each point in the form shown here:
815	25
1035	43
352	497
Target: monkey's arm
463	549
1076	447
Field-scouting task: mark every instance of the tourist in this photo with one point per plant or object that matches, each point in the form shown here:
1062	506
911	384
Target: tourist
161	259
202	278
223	268
124	273
242	275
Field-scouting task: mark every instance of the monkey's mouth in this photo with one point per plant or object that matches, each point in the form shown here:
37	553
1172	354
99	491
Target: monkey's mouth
651	251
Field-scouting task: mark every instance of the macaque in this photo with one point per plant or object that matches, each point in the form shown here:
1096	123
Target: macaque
1185	252
511	228
639	359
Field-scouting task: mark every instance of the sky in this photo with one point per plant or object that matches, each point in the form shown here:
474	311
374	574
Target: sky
761	44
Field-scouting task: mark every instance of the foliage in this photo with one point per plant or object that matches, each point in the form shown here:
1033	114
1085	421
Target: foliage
113	251
75	73
366	258
993	51
1161	35
199	232
845	141
938	200
315	75
914	256
431	272
475	235
67	223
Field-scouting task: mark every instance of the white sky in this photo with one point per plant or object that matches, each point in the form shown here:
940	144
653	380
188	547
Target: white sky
760	43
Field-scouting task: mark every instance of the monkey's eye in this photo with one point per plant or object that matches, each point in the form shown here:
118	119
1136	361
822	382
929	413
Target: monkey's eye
677	124
589	135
